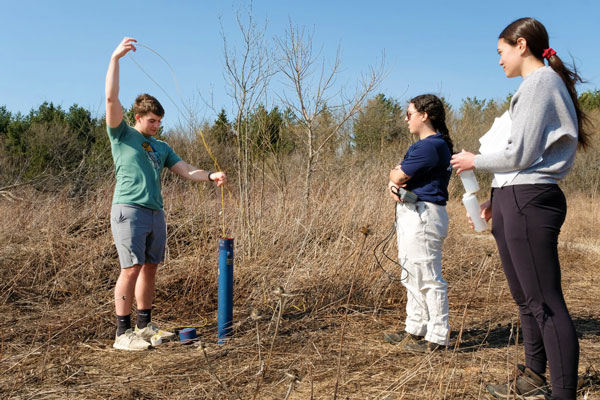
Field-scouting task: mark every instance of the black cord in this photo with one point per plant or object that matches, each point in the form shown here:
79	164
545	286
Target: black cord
385	242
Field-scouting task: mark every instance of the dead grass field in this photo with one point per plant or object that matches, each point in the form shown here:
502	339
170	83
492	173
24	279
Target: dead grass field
321	339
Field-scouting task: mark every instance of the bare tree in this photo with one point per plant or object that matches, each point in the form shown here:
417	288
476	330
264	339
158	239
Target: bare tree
313	92
248	69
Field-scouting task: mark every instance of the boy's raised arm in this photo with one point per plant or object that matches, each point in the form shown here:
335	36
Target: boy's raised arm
114	110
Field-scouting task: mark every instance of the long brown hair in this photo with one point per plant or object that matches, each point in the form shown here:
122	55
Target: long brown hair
534	32
436	113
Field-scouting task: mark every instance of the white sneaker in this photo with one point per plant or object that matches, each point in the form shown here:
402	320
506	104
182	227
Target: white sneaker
152	330
130	341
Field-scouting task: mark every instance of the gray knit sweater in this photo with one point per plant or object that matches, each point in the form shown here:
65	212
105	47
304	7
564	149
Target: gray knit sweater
544	124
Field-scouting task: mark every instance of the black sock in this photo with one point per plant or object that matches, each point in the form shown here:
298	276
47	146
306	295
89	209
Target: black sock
143	318
123	323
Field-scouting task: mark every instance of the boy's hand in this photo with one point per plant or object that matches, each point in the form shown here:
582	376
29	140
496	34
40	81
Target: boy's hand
219	177
124	47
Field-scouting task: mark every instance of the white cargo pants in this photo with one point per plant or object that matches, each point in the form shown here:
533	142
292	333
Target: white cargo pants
421	229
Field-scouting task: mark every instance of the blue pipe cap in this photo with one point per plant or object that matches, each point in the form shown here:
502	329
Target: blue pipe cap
188	335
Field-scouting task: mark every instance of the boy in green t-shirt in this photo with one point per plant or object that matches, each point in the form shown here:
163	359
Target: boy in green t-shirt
137	216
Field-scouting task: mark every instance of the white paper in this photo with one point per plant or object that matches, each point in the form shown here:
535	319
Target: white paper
495	140
497	135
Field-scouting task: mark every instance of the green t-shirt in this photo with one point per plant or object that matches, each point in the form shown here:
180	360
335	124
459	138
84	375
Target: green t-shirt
139	161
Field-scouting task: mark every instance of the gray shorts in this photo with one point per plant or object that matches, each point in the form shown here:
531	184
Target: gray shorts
140	234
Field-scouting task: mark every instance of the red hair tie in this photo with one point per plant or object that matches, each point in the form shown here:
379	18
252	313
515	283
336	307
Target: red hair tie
549	52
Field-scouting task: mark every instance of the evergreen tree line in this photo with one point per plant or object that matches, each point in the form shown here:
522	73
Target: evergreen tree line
72	145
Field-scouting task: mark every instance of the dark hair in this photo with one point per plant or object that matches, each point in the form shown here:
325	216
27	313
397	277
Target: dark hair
145	104
534	32
436	112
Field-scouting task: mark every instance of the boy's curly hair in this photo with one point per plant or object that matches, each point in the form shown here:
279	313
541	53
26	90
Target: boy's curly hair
145	104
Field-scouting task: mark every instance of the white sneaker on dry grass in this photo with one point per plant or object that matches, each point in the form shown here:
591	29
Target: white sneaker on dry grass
152	330
130	341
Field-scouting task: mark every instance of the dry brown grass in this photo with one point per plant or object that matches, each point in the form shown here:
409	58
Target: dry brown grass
59	267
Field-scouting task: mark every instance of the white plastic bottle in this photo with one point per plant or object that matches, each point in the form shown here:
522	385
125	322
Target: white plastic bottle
469	181
474	211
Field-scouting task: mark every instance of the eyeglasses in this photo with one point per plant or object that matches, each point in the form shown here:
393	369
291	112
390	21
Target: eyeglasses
409	114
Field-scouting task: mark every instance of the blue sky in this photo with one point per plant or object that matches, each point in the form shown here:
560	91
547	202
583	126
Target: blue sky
59	51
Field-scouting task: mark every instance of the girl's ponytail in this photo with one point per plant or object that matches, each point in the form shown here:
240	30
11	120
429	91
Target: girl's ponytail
570	78
443	129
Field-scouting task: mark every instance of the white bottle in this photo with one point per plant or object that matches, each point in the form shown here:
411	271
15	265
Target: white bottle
469	181
474	211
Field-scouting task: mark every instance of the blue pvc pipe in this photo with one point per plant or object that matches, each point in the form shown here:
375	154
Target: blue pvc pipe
225	316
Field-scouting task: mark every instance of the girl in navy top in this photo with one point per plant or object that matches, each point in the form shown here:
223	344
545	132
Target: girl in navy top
422	226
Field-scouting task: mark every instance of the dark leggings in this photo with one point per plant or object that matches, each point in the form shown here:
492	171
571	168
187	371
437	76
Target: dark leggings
526	221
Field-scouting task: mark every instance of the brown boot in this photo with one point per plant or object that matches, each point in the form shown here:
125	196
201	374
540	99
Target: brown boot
526	384
423	346
401	338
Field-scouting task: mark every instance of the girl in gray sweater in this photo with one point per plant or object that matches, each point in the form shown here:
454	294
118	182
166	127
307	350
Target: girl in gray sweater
528	212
